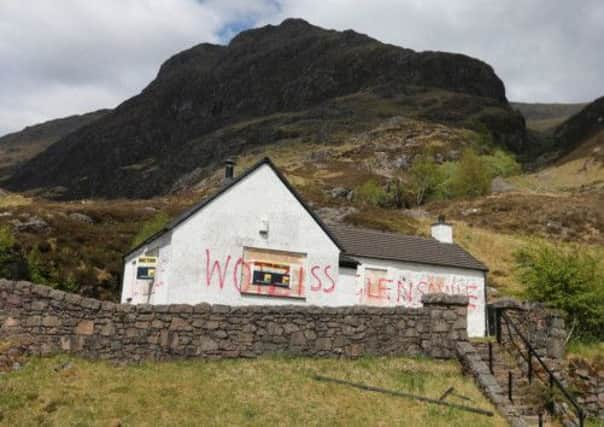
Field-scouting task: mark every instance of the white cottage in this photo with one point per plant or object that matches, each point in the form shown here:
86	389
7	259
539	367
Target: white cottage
257	242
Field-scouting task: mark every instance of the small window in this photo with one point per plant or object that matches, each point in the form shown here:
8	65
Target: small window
272	273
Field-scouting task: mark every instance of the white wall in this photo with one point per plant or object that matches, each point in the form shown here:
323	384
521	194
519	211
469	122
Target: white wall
405	283
147	291
215	237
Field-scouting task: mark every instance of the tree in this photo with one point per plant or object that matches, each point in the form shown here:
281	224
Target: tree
424	177
568	279
472	177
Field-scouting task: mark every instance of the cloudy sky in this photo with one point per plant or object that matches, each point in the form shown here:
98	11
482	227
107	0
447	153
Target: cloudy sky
61	57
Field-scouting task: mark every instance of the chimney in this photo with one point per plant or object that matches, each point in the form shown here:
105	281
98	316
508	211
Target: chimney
229	170
442	231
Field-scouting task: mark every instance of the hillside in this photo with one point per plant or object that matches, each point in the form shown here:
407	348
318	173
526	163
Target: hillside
18	147
543	117
587	126
291	83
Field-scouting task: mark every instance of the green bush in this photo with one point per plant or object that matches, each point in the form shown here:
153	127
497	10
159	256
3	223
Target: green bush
35	267
371	192
472	177
149	228
568	279
501	163
425	178
7	252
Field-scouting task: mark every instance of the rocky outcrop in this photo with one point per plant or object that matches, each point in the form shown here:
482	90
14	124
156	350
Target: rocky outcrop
213	101
581	126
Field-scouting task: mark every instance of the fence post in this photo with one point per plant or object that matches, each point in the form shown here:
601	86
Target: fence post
491	357
510	386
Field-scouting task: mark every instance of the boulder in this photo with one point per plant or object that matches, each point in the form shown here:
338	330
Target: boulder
500	185
80	217
339	192
32	225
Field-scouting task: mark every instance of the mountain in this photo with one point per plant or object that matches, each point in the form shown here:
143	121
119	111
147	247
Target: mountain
268	86
18	147
584	131
544	117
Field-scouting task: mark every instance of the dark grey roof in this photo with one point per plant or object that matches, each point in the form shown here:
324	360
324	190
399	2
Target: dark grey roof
348	262
391	246
195	208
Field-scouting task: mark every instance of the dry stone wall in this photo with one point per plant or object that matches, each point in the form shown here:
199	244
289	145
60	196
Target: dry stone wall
46	321
588	382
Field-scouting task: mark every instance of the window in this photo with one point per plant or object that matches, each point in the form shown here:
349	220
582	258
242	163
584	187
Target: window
272	273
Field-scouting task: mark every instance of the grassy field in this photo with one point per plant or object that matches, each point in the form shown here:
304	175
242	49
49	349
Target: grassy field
260	392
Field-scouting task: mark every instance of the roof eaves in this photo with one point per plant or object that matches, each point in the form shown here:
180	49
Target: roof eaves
482	267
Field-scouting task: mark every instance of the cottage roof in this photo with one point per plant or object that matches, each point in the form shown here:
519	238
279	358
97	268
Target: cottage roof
398	247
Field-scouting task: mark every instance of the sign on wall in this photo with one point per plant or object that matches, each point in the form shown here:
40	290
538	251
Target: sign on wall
145	267
273	273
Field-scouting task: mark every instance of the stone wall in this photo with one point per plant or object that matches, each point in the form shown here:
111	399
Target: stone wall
588	382
46	321
544	328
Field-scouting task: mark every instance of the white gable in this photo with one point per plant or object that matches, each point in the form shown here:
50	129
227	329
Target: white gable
258	212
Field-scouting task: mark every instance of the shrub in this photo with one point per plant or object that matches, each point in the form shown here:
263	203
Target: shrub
425	177
568	279
372	193
471	176
7	252
501	163
149	228
35	267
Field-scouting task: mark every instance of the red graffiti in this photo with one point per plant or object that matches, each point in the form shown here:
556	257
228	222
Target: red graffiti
333	282
301	282
316	286
217	271
216	266
245	275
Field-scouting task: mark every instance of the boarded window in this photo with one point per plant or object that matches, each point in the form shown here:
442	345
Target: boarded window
273	273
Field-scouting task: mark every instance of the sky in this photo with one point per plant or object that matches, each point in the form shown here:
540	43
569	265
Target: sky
63	57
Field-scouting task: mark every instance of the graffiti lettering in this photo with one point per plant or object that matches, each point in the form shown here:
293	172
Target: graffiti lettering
316	286
409	292
333	282
217	271
216	266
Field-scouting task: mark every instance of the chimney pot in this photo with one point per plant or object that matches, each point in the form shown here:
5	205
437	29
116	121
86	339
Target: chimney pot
442	231
229	170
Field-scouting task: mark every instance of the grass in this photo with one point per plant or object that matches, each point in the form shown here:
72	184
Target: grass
259	392
568	176
10	200
591	351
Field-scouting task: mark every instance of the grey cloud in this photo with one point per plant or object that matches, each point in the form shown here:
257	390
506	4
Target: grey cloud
69	56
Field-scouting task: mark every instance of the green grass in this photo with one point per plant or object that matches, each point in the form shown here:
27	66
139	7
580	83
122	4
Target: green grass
591	351
260	392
